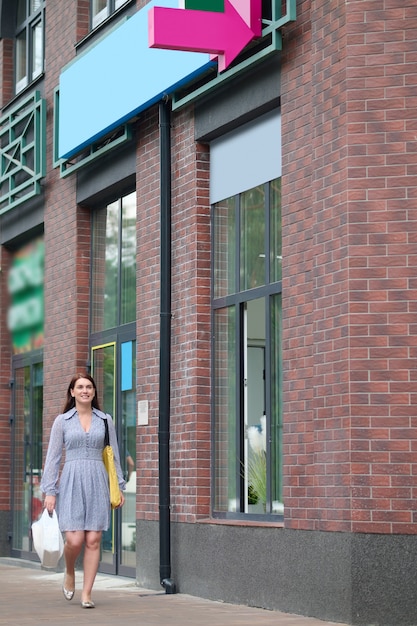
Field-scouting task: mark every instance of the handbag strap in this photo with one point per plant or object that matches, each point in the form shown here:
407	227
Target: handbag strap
106	436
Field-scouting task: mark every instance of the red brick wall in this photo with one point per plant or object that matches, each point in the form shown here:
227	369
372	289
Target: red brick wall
190	352
297	226
147	288
349	164
6	74
382	162
190	324
349	287
83	19
67	236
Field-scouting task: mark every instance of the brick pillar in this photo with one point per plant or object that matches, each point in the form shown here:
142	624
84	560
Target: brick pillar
67	234
349	289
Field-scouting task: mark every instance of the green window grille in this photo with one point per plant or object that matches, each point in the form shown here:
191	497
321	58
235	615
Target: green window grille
22	151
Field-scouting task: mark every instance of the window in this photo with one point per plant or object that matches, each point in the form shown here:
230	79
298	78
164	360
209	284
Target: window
114	264
247	352
113	358
101	9
29	42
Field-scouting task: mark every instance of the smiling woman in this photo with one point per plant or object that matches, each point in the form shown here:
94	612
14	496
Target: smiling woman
83	394
81	495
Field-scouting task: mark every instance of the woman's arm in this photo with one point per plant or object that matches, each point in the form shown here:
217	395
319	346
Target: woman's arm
50	472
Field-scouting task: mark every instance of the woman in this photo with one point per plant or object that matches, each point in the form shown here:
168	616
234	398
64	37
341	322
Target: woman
82	499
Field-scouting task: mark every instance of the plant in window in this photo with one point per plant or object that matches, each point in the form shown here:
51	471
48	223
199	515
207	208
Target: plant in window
257	462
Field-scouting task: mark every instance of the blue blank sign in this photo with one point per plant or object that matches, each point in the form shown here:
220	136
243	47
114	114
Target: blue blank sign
117	78
127	366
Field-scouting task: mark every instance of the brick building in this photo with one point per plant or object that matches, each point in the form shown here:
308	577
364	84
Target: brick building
230	249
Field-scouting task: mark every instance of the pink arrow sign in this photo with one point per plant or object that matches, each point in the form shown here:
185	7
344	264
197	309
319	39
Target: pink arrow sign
251	12
223	34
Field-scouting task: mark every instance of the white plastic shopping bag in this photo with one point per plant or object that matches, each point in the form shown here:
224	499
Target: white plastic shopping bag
47	539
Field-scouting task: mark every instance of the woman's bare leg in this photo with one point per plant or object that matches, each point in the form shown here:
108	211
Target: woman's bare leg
91	561
74	540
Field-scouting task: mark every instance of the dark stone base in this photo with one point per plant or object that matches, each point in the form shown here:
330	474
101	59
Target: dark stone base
363	580
5	545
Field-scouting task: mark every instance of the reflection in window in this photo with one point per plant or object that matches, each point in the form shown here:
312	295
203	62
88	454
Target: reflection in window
114	264
29	42
225	248
21	11
225	410
252	238
27	449
275	247
21	78
276	396
37	56
247	353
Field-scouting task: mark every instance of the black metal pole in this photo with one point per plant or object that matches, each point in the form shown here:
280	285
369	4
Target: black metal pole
165	349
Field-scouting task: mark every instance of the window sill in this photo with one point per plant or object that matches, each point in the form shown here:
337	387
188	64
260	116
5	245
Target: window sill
241	522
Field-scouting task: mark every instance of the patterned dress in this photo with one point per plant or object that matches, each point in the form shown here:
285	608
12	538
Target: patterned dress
83	500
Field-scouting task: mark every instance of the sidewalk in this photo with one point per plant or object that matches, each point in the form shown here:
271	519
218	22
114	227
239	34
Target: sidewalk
32	596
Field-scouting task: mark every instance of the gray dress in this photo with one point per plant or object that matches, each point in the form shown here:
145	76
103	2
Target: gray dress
83	500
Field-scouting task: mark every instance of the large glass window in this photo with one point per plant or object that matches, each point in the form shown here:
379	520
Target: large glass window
114	264
113	362
101	9
29	42
247	353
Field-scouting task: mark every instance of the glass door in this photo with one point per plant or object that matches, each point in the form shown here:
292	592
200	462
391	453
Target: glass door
26	455
114	370
127	440
103	371
254	406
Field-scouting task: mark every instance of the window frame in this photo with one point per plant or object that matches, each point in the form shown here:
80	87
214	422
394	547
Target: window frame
101	16
27	29
271	290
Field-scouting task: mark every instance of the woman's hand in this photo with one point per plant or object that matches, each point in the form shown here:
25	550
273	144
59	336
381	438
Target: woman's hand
122	500
49	504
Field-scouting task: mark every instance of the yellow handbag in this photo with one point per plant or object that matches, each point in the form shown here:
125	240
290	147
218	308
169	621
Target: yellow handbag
108	459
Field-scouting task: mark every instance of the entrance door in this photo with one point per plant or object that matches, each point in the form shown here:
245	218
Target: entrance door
114	370
26	454
254	406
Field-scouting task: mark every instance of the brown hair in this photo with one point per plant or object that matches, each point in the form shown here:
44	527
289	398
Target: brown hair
70	400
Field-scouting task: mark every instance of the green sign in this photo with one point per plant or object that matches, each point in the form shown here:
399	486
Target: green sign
215	6
25	318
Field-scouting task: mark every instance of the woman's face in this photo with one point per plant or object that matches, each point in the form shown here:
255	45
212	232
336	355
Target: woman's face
83	391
